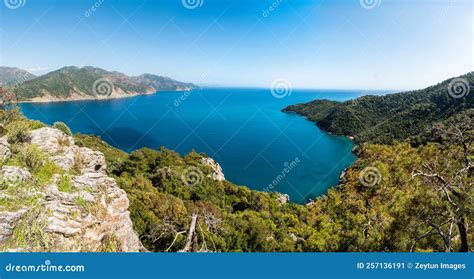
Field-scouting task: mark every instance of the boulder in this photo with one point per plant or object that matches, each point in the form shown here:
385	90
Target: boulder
216	173
51	140
283	198
8	222
5	152
13	176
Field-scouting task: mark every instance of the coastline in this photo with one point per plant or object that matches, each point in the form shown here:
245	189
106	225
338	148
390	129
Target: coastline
42	100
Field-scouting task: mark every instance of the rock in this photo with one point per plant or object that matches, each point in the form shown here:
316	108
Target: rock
90	214
5	152
8	221
51	140
283	198
216	173
92	180
101	214
65	154
12	176
92	161
295	238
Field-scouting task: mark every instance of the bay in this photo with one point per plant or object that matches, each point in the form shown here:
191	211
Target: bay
243	129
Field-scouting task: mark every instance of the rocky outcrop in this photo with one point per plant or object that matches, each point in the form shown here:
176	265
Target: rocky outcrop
8	221
13	176
5	152
283	198
81	209
216	173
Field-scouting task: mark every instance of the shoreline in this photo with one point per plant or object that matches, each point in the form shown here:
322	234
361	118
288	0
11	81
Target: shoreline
91	98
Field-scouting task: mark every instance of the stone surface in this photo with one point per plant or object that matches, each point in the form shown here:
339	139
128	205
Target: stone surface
65	154
13	176
90	214
217	173
8	221
283	198
5	152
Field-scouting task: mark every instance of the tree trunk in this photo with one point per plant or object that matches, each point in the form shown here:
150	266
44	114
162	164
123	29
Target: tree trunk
189	238
463	234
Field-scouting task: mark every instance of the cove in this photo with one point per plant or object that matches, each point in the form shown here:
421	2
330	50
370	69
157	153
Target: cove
243	129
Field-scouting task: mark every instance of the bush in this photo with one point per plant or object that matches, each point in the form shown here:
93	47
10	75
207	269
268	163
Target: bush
62	127
11	115
31	157
18	132
35	124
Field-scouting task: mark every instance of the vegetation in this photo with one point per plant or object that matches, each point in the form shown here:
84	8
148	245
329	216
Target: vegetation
408	195
62	127
10	76
69	82
410	208
389	118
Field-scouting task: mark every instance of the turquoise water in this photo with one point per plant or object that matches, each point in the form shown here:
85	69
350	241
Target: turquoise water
242	129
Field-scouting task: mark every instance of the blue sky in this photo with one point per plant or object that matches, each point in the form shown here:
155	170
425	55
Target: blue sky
345	44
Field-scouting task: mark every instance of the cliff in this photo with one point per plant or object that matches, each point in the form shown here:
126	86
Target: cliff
56	196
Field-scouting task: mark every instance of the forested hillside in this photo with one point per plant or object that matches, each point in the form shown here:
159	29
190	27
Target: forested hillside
395	198
383	119
89	82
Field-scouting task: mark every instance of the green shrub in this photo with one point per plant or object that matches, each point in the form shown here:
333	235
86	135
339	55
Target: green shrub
62	127
44	174
31	157
18	132
11	115
34	124
64	184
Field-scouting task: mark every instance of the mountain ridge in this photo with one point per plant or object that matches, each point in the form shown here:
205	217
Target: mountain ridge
87	83
13	75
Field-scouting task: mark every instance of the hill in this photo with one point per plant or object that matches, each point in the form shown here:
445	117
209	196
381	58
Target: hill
73	83
11	76
393	117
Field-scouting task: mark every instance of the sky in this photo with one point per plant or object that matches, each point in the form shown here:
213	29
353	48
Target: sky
337	44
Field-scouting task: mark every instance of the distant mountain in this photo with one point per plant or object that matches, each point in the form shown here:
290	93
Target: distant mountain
11	76
73	83
384	119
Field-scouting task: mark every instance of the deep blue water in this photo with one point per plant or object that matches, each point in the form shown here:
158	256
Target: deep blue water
242	129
